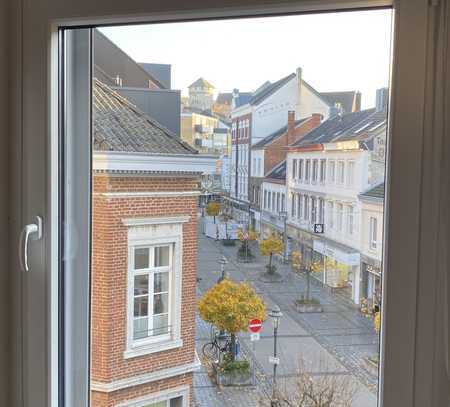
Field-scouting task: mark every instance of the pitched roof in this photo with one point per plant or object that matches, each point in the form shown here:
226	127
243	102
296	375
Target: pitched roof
278	172
121	126
268	90
376	192
278	133
224	98
200	82
350	126
196	110
345	99
242	99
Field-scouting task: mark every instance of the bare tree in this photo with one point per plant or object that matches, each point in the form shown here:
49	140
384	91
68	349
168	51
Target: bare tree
327	389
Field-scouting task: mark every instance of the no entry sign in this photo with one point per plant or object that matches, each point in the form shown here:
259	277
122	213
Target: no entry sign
255	325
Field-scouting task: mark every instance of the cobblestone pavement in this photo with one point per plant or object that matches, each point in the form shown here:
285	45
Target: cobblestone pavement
339	340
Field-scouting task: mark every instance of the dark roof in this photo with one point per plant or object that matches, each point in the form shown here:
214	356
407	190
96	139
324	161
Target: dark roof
242	99
224	98
278	133
345	99
278	172
121	126
268	90
349	126
201	82
162	72
376	192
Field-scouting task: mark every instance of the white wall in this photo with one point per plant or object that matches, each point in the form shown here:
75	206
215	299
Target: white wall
257	168
311	103
368	210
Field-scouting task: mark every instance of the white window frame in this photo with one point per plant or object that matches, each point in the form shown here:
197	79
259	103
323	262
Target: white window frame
411	372
340	175
300	169
350	178
350	220
156	231
373	233
332	171
165	395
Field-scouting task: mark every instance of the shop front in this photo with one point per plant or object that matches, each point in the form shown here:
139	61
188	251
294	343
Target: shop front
340	268
371	282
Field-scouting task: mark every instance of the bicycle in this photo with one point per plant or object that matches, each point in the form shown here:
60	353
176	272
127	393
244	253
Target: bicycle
213	349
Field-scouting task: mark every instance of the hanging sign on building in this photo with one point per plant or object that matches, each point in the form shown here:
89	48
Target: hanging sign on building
319	227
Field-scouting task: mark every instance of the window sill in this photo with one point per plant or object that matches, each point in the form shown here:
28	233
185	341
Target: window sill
149	348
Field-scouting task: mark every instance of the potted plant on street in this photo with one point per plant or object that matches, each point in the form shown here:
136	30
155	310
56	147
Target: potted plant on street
373	361
269	247
226	217
306	303
229	306
246	236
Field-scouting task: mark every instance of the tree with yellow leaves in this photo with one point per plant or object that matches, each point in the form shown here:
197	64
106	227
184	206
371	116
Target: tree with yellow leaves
230	306
213	209
270	246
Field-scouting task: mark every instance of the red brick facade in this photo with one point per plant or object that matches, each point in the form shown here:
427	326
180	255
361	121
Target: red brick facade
110	281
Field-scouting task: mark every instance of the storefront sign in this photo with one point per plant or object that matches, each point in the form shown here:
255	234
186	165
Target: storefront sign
329	250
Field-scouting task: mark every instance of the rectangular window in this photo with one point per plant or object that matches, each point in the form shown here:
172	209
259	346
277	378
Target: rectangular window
313	210
294	206
341	172
330	215
283	202
340	216
306	208
315	165
332	171
323	170
321	210
307	170
265	199
278	201
373	233
300	169
300	205
350	173
294	168
269	202
274	198
350	220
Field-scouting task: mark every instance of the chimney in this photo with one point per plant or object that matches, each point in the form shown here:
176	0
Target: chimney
290	127
357	102
381	99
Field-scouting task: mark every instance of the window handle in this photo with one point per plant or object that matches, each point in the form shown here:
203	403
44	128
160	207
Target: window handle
33	230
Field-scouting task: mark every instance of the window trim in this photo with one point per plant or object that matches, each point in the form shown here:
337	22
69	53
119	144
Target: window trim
164	395
139	237
406	345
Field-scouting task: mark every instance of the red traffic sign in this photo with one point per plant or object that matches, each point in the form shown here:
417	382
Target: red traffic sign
255	325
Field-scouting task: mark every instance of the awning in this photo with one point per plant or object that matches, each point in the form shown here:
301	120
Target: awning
340	253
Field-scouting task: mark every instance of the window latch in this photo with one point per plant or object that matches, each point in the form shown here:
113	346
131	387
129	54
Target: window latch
33	231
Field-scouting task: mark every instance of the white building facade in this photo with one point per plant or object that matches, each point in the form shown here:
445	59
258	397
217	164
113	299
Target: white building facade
261	115
324	182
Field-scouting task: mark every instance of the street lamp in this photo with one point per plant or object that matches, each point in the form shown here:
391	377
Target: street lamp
276	315
283	215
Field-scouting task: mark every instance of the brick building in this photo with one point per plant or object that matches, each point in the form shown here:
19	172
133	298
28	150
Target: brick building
145	192
271	151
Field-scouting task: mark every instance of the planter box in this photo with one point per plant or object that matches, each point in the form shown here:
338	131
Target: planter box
232	379
308	307
228	242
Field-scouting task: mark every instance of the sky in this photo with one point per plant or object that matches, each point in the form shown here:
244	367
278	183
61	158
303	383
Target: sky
336	51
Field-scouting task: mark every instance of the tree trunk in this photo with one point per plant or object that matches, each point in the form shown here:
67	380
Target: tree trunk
233	347
270	264
214	219
308	285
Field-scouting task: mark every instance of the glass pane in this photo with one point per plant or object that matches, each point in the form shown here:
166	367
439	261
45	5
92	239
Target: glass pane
141	285
160	324
161	282
140	328
158	404
162	256
141	306
141	258
160	303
